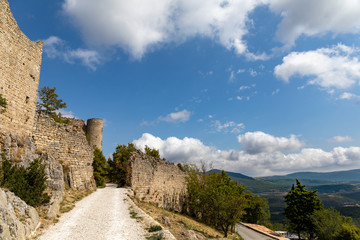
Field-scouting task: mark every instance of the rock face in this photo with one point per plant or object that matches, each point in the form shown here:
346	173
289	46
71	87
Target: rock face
17	219
68	145
22	151
156	181
20	61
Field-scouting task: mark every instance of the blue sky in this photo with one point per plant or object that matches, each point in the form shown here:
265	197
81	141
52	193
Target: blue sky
260	87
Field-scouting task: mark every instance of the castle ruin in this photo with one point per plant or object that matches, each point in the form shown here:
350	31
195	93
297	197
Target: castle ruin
20	61
94	129
26	135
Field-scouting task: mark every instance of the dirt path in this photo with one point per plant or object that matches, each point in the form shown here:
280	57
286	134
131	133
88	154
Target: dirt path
102	215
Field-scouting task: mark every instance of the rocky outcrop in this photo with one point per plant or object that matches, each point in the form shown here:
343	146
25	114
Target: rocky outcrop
156	181
17	219
22	151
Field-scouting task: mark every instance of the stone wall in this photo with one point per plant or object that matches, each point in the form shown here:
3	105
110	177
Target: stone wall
156	181
67	143
20	61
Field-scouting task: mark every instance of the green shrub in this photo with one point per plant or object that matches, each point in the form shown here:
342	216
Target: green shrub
3	104
29	184
155	237
155	228
99	166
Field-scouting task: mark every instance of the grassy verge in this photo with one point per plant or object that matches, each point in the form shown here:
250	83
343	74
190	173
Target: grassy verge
180	223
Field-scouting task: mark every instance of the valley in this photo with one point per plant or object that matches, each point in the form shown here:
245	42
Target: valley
340	190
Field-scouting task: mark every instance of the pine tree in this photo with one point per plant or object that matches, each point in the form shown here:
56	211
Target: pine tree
300	206
49	102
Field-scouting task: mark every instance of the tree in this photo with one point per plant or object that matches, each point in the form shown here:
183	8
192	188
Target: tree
331	225
347	232
3	104
300	205
49	102
327	222
119	164
215	199
152	152
257	211
99	166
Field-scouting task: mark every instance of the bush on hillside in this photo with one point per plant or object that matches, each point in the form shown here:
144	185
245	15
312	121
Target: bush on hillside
27	183
100	169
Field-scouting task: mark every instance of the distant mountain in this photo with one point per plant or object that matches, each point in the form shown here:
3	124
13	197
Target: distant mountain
232	174
331	182
319	178
255	185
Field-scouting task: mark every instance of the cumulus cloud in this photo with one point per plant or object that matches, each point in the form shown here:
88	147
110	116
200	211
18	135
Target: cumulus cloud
191	150
341	139
138	26
228	127
174	117
308	17
334	67
54	47
259	142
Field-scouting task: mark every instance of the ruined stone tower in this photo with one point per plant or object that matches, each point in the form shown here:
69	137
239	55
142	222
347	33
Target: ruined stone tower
20	61
94	129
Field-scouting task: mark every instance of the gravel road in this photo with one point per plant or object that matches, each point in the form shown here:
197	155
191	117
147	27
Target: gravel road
102	215
248	234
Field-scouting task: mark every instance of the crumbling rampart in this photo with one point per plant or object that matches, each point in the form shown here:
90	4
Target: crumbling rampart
156	181
20	61
67	143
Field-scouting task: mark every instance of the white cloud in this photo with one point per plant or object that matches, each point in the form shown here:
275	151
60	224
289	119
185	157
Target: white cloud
174	117
341	139
253	57
240	98
232	76
191	150
64	113
275	92
348	96
258	142
228	127
139	26
244	87
252	72
309	17
334	67
55	47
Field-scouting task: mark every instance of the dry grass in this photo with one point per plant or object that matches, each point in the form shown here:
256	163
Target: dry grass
71	197
181	223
